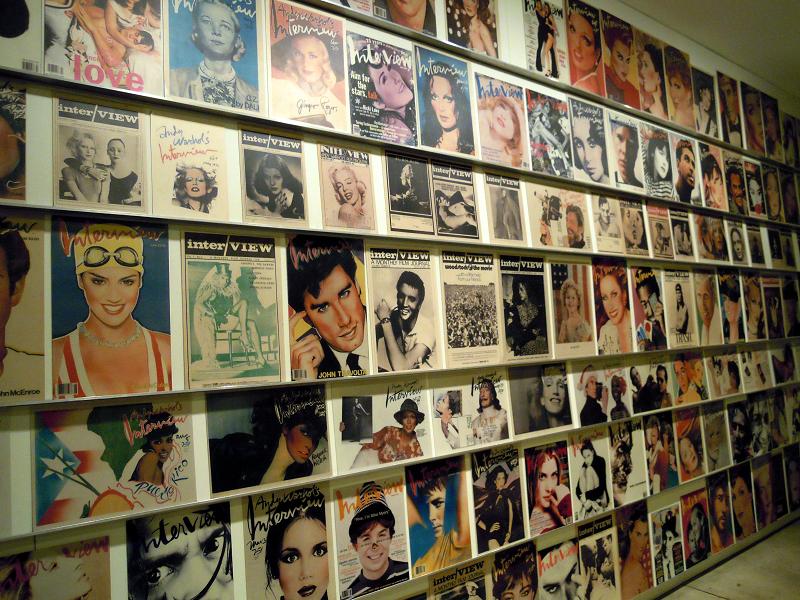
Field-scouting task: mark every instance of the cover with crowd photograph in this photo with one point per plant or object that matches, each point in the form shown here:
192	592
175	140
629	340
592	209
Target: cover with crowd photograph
589	473
273	179
502	129
660	231
667	540
686	177
649	316
473	25
471	308
13	111
607	221
99	157
559	217
525	322
549	497
374	428
550	132
539	397
307	66
628	463
408	193
627	161
454	201
633	545
598	556
348	196
572	314
546	38
695	516
497	497
507	223
104	460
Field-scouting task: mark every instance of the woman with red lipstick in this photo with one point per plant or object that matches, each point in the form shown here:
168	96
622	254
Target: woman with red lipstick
612	308
156	450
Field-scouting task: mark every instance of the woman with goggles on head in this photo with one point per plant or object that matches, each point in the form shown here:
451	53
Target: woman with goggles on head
110	352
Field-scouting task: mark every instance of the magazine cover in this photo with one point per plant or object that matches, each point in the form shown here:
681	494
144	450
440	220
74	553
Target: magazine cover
161	546
628	466
755	370
791	307
550	132
652	80
771	287
80	569
307	66
369	521
744	518
549	498
558	568
740	431
679	299
789	127
497	497
438	514
724	374
715	434
539	397
470	412
348	197
730	303
659	445
598	557
546	39
789	247
735	183
789	195
690	379
694	513
288	524
231	309
406	307
649	319
514	573
657	161
777	259
761	415
377	428
665	533
660	232
214	55
755	189
737	237
502	127
383	104
603	393
627	160
634	228
189	169
585	48
91	462
633	546
769	489
113	44
680	100
445	112
454	201
590	163
273	179
681	234
709	321
99	157
572	314
686	178
782	360
266	436
729	110
471	308
773	201
652	384
612	306
705	103
690	444
619	61
773	143
755	319
408	194
22	336
713	184
607	225
13	109
559	217
467	582
589	474
525	320
323	273
719	512
791	457
473	25
121	308
753	123
21	38
712	245
507	225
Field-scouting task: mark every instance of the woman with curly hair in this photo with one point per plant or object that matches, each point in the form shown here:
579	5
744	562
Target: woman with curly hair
353	198
273	191
494	512
501	131
478	23
194	188
613	309
573	328
446	121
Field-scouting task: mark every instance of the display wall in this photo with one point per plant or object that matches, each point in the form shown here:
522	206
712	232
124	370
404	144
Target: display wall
553	292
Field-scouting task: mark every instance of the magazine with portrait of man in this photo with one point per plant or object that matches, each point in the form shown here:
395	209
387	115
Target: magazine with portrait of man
659	445
603	392
408	194
660	231
735	183
713	183
680	313
791	307
626	159
755	246
559	217
597	543
607	224
712	243
652	385
715	436
756	372
686	177
696	530
539	397
709	309
628	462
667	543
634	228
777	257
737	241
649	314
724	374
789	195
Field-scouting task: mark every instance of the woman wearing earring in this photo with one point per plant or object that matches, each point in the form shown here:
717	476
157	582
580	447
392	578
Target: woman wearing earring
583	43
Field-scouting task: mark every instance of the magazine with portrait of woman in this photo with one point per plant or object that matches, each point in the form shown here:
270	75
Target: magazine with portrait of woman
696	527
539	397
612	307
589	473
627	163
348	195
597	557
21	37
473	24
506	213
628	462
667	543
546	38
502	126
573	314
550	132
525	319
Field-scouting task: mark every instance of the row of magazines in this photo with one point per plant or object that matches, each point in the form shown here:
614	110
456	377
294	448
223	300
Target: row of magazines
182	308
650	497
309	66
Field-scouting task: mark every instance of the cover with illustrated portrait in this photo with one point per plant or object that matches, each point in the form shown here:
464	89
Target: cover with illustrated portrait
502	128
549	497
539	397
660	231
715	436
696	538
550	132
369	521
470	410
307	66
773	201
454	201
112	308
589	473
691	453
471	308
189	167
620	61
789	137
273	179
99	157
634	228
590	156
597	545
231	309
417	16
657	161
633	546
525	322
679	300
659	445
667	543
649	316
559	218
383	103
215	54
719	511
607	221
445	109
705	103
348	196
326	286
373	428
627	162
585	47
573	315
628	462
612	308
686	176
438	514
473	25
680	100
288	523
689	378
753	122
469	581
266	436
497	497
507	223
22	306
13	115
773	142
546	38
713	182
108	44
408	194
21	39
91	462
405	303
652	80
558	566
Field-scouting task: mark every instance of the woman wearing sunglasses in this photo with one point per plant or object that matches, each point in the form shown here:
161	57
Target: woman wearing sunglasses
110	353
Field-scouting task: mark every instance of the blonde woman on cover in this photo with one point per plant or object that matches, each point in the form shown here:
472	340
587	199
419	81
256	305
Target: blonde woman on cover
110	353
501	131
82	176
614	336
574	328
352	196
